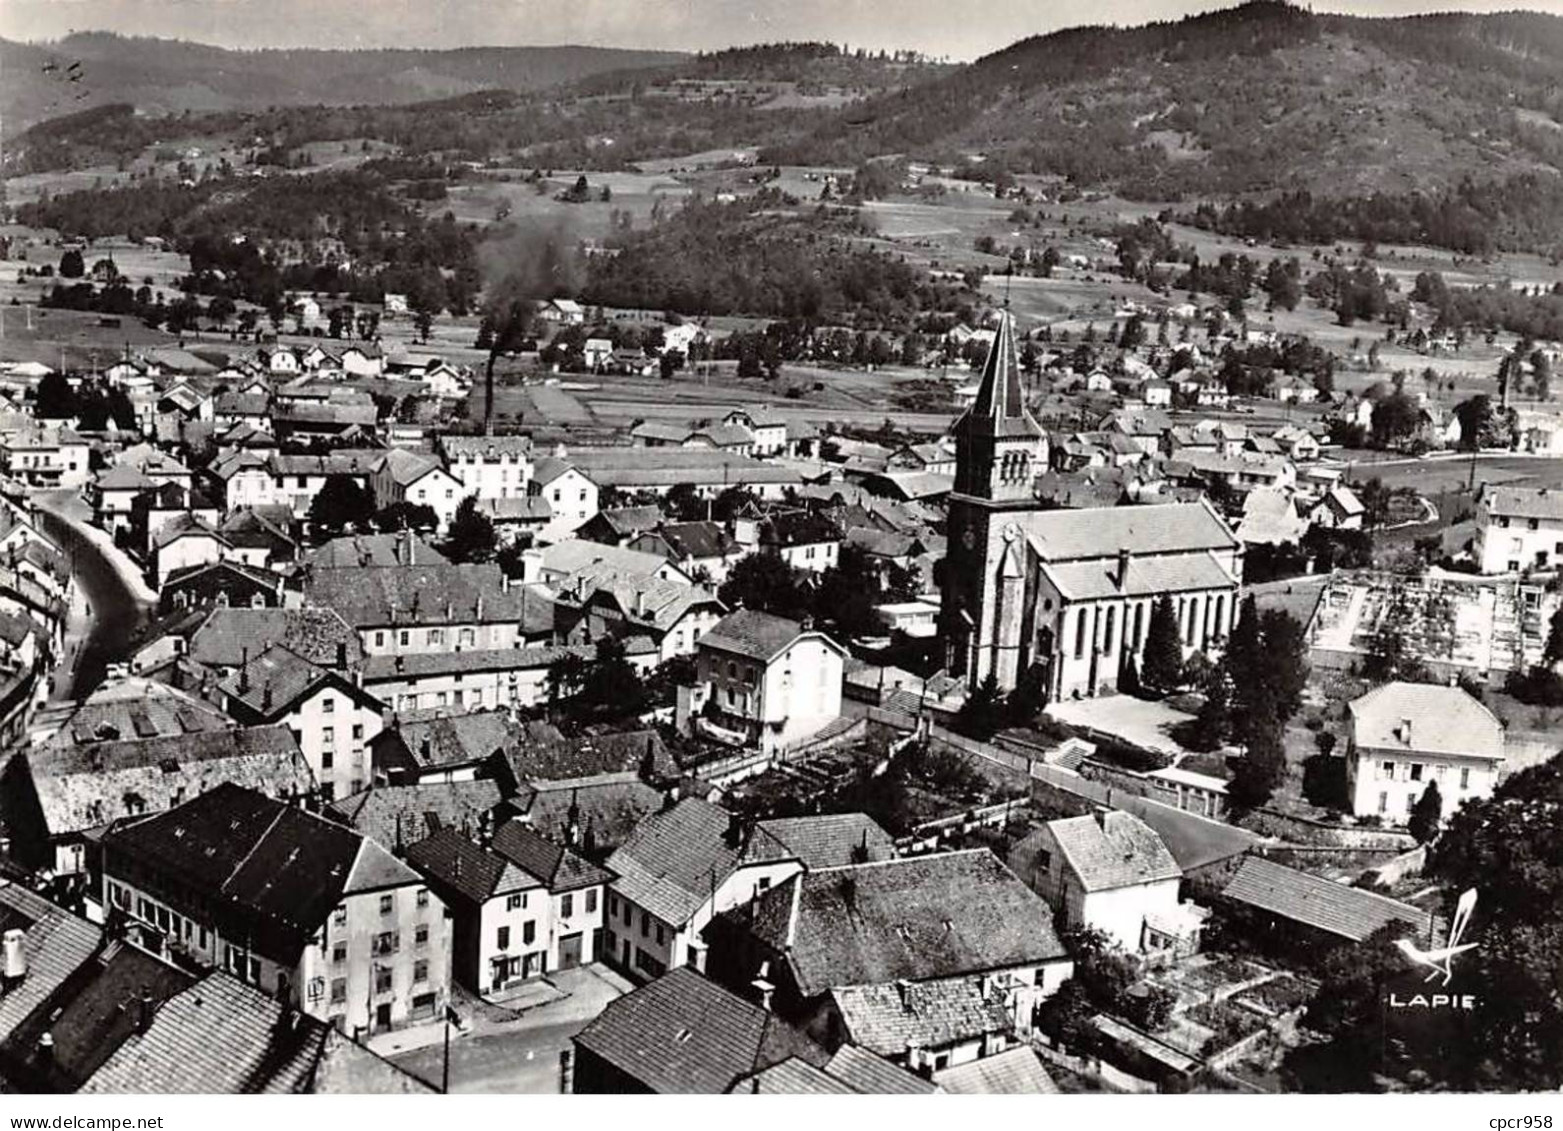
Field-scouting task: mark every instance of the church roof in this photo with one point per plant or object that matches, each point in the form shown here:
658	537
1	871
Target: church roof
1000	407
1101	532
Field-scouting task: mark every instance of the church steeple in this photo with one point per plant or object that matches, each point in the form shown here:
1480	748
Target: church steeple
997	442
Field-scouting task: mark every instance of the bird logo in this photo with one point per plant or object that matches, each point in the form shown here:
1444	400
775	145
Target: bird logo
1441	960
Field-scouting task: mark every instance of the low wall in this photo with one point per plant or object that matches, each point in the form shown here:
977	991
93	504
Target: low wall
1306	831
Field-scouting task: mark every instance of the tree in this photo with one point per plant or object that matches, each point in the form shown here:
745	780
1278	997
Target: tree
340	505
1163	666
982	714
1213	724
1066	1016
1262	769
1396	419
72	265
1426	814
56	400
406	516
471	537
1554	652
610	686
765	581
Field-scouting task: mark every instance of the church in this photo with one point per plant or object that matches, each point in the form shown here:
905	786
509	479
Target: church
1061	599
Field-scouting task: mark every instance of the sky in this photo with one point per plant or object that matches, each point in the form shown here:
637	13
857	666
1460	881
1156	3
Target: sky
953	28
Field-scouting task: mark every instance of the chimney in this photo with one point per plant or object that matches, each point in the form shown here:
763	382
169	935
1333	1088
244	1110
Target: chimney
144	1012
266	698
640	602
341	655
244	671
425	747
15	956
1123	566
401	663
1405	731
764	991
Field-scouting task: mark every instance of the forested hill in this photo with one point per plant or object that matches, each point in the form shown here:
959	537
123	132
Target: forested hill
170	76
1251	99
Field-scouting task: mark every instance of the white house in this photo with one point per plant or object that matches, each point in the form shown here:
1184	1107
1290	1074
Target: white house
678	870
1109	871
522	908
419	480
1519	528
1406	736
571	493
763	681
489	467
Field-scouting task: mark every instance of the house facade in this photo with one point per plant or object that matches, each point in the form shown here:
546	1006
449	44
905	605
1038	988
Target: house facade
1519	528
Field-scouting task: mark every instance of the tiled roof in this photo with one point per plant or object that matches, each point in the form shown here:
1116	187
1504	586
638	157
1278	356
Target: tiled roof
1337	909
650	603
218	1036
682	1034
752	633
558	867
577	557
182	526
357	550
417	595
531	508
381	669
697	539
395	816
486	447
408	467
279	867
343	461
794	1077
940	916
674	858
1018	1072
465	867
1101	532
450	740
624	521
1426	718
273	681
885	1018
830	840
131	708
1525	502
608	808
667	467
798	528
123	477
55	943
1117	850
1147	576
874	1075
314	634
345	1067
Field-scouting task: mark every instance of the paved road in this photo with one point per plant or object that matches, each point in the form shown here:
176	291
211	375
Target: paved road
524	1060
114	613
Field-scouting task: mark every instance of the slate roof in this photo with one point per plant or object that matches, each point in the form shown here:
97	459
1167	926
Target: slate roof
406	467
132	708
1017	1072
55	942
829	840
1447	721
420	594
467	868
1000	408
275	869
625	521
697	539
794	1077
312	633
886	1018
395	816
1337	909
683	1034
485	447
1100	532
917	918
345	1067
1113	851
182	526
667	467
123	477
358	550
649	603
218	1036
342	461
674	858
531	508
558	867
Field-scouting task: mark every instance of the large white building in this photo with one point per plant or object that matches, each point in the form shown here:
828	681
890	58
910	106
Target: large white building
490	467
1519	528
1405	736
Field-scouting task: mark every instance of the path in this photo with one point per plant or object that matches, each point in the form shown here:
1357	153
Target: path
112	604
